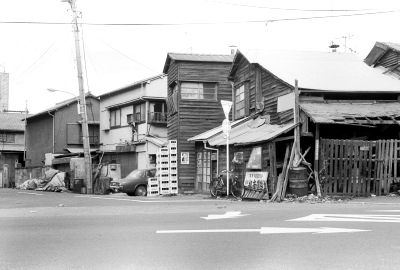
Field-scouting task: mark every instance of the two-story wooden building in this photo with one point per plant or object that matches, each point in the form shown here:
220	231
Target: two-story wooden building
58	131
196	85
340	98
133	123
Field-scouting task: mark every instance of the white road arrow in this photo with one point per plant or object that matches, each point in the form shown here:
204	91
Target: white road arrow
345	217
226	215
269	230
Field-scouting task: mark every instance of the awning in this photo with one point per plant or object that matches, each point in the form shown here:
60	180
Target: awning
78	150
251	132
353	113
212	132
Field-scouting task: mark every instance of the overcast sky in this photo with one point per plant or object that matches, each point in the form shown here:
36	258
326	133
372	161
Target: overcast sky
39	54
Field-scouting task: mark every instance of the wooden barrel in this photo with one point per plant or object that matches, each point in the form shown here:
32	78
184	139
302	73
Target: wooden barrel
298	181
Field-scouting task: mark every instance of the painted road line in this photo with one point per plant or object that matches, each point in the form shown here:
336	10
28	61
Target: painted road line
132	200
269	230
345	217
385	211
225	216
30	193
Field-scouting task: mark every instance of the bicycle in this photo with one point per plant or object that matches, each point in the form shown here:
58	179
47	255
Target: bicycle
218	186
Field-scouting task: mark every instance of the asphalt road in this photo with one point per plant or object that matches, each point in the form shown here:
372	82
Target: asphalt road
44	230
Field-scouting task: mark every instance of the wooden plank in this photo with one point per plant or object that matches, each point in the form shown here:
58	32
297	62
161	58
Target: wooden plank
351	160
345	165
369	170
331	165
386	170
390	169
340	160
376	166
336	165
396	145
355	174
364	167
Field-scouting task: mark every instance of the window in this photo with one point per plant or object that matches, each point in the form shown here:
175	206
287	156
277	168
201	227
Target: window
203	177
255	158
139	113
198	90
115	118
239	102
7	138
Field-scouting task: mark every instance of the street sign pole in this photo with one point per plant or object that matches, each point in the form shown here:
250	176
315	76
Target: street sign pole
226	128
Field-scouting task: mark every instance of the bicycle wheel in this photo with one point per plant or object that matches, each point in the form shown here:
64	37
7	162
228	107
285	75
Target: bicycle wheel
237	189
214	188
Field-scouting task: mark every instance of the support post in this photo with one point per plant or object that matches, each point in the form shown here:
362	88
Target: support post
316	161
85	128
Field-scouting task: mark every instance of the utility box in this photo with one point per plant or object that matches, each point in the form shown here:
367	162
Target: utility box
78	184
77	166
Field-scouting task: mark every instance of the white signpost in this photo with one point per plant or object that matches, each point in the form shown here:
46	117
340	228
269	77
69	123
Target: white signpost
226	128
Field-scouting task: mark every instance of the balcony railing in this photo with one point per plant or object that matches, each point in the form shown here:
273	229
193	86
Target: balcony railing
158	117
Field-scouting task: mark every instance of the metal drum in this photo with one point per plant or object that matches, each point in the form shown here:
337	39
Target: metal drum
298	181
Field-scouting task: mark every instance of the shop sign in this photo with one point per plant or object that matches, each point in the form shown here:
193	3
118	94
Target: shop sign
184	157
256	180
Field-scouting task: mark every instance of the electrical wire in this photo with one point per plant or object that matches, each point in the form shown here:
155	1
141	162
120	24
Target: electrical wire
207	23
288	9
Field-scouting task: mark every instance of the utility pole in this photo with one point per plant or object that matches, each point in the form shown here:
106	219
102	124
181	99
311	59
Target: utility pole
85	128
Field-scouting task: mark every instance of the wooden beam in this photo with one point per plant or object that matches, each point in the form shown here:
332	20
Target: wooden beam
394	120
316	161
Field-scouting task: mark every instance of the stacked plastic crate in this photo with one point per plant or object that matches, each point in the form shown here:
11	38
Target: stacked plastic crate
173	166
163	170
153	188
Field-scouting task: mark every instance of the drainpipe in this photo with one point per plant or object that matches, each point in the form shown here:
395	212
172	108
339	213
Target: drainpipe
53	129
213	149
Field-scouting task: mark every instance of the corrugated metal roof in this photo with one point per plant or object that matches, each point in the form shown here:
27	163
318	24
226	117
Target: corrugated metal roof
137	83
251	132
202	57
212	132
12	121
380	49
222	58
60	105
336	113
324	71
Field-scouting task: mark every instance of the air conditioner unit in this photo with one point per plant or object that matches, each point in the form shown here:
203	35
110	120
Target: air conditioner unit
129	118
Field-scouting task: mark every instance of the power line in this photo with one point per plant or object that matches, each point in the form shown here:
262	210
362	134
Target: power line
288	9
202	23
332	16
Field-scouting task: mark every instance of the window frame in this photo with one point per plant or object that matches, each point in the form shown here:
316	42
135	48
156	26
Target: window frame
199	93
114	118
242	108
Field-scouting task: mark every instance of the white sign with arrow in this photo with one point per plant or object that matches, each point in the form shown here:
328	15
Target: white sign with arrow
270	230
226	215
345	217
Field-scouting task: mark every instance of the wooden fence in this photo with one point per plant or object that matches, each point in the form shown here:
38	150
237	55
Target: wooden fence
358	168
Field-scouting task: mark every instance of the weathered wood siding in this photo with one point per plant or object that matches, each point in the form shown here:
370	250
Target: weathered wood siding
196	116
266	86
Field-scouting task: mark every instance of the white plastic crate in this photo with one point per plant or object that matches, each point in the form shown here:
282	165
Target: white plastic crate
164	151
173	150
173	190
153	193
163	170
152	180
163	164
173	163
173	182
173	170
173	157
164	190
173	176
173	143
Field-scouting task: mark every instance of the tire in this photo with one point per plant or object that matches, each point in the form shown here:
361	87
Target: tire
237	189
214	188
141	191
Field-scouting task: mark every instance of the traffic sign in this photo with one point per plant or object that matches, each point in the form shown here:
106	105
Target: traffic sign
226	126
226	105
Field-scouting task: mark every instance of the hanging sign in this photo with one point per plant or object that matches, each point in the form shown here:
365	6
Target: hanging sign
184	157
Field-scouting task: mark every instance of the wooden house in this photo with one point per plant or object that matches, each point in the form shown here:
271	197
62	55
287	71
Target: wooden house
57	131
133	123
196	85
12	128
341	98
385	55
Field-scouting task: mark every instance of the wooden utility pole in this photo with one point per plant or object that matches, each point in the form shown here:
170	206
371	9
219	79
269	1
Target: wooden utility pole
85	128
